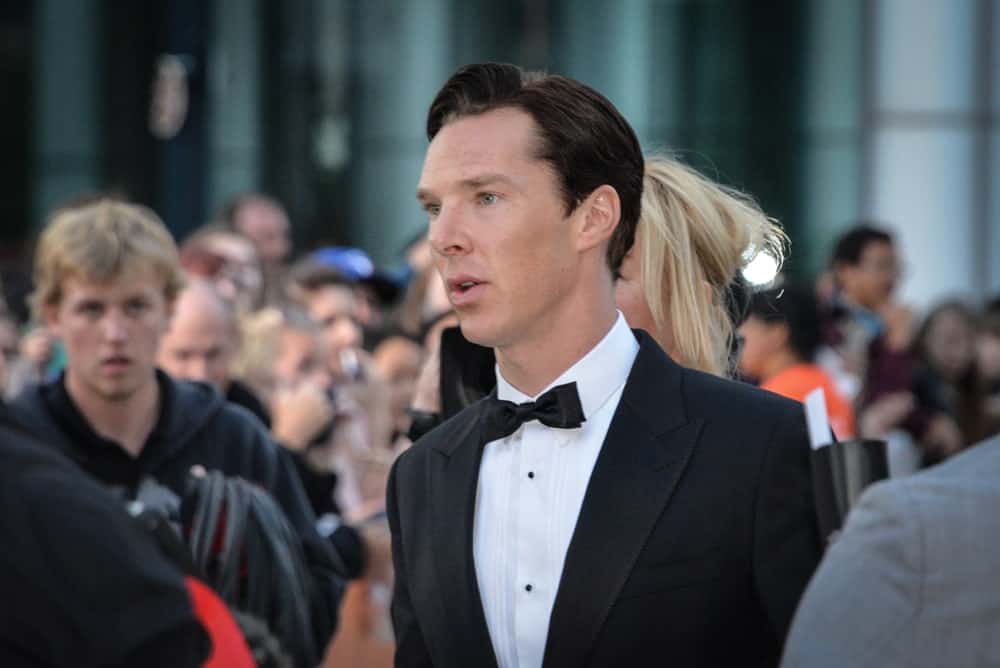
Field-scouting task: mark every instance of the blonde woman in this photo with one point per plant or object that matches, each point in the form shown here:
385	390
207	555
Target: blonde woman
678	281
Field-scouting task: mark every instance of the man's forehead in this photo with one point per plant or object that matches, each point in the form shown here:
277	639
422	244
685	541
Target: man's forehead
473	149
138	281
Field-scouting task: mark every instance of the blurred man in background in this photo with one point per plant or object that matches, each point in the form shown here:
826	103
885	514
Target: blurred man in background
201	343
107	274
331	301
263	221
872	335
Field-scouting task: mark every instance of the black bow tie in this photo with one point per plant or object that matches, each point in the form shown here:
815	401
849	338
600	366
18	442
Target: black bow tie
559	407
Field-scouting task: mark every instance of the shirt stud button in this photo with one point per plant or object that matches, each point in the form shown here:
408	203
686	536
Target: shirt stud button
528	587
531	474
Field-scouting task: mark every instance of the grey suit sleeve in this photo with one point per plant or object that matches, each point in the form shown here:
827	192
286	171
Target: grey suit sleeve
867	590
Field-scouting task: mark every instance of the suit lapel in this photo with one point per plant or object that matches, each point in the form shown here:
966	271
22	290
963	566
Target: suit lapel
645	452
453	483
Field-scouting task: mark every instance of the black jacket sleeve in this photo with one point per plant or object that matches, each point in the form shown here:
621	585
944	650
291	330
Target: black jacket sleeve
786	537
329	574
81	583
411	650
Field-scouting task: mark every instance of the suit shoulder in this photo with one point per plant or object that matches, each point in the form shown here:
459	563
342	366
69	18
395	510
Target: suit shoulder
451	431
705	392
980	461
955	491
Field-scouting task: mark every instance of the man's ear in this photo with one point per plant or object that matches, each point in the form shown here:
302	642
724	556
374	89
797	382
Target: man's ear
50	318
601	213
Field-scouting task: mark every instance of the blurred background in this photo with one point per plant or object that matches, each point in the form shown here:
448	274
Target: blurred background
831	113
827	111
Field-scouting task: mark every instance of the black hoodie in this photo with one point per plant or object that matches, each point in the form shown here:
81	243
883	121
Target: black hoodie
197	426
76	593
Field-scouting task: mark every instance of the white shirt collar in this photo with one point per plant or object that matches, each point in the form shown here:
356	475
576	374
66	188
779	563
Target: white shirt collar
597	375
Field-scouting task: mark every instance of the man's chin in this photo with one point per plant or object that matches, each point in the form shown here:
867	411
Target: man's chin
115	393
117	396
475	332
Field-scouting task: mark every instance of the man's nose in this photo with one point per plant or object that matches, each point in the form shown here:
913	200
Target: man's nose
198	368
345	333
447	234
114	327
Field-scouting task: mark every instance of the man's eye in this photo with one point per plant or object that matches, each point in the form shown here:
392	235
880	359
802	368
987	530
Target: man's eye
488	198
432	209
136	307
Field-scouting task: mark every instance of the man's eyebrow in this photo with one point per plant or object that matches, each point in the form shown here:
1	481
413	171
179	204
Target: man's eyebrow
485	180
474	183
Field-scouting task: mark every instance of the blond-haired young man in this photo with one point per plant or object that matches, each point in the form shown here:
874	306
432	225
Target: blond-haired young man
106	276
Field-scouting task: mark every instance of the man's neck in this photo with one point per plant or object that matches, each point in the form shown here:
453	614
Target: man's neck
127	421
530	366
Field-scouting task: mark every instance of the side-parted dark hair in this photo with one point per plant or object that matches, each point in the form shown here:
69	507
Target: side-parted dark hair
851	245
581	134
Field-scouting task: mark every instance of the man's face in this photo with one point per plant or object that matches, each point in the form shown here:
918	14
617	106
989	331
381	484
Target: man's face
111	332
951	344
501	238
872	280
761	341
335	308
8	346
199	344
267	227
240	280
301	358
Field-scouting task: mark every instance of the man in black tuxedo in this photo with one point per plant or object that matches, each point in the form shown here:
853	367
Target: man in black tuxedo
604	506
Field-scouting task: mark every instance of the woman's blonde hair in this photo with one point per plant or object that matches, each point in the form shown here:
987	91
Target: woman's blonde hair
100	241
695	237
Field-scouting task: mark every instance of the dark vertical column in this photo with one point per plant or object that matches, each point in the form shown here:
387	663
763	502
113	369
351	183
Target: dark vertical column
982	168
404	51
289	110
66	103
15	114
182	161
775	139
233	99
130	166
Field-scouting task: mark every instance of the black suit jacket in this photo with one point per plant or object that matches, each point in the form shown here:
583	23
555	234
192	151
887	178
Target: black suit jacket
696	537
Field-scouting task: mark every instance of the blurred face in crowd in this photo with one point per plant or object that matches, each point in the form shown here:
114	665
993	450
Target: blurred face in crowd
335	309
301	358
240	280
761	342
398	360
8	346
950	344
266	225
201	341
872	280
111	332
988	355
499	230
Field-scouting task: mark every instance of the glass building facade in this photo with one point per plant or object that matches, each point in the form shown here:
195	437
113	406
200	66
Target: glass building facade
827	111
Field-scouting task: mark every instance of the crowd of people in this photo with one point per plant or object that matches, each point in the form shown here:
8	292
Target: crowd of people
153	364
